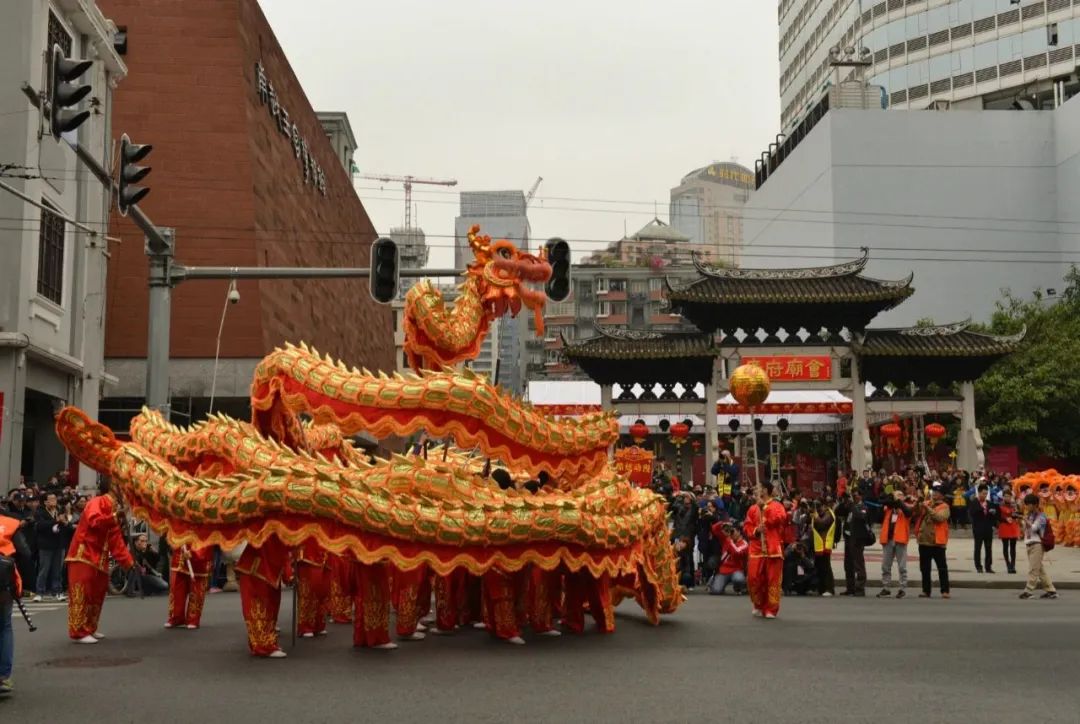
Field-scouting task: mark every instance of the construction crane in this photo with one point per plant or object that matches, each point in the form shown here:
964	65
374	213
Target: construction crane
532	191
408	182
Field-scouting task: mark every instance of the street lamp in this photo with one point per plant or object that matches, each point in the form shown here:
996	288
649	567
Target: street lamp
232	296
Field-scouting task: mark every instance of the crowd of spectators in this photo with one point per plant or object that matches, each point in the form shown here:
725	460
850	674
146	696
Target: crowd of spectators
915	505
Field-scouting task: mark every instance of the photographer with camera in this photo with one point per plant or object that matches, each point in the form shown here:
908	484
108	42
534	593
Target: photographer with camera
12	545
53	527
798	570
857	535
734	554
932	534
895	534
1008	529
823	528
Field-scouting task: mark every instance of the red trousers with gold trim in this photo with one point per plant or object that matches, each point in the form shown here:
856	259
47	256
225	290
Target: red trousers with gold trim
581	588
371	602
499	604
260	603
544	587
312	598
342	582
87	587
186	599
406	592
763	582
450	600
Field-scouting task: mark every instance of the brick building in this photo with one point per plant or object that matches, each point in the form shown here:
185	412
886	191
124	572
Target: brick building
245	173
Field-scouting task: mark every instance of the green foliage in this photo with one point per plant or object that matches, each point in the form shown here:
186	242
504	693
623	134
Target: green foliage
1032	398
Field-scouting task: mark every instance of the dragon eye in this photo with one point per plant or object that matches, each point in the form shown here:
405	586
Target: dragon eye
505	253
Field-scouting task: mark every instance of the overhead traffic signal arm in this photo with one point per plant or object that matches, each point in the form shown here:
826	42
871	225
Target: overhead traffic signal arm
65	94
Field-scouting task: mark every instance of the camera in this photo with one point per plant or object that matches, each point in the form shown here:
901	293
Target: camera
234	295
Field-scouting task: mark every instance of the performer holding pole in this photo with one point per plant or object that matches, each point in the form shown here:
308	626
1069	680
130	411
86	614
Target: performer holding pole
189	578
97	536
764	526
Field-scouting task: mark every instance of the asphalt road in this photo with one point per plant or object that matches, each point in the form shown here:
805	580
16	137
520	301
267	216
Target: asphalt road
984	656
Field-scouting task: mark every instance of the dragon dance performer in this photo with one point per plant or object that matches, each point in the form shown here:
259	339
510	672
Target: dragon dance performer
342	577
501	592
371	604
450	602
97	536
764	528
409	591
260	572
313	589
581	588
189	578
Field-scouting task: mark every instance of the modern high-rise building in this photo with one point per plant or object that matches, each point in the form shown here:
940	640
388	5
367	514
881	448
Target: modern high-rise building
932	53
412	248
501	215
707	204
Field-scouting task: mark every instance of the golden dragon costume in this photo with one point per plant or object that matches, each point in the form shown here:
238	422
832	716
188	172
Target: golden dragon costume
223	482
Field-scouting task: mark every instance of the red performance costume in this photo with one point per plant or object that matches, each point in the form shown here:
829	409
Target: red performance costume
411	591
500	591
766	570
189	577
97	536
342	580
259	573
313	576
371	604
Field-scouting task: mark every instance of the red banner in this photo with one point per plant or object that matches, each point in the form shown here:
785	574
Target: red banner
784	368
810	474
731	408
635	463
1003	459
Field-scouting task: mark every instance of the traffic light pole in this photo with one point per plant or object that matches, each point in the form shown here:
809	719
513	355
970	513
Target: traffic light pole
181	273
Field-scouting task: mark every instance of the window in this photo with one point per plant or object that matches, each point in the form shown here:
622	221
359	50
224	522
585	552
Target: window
601	284
1052	34
58	35
655	284
617	285
639	286
50	278
603	309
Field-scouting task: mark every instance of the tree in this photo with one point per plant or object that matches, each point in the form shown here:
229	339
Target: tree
1032	398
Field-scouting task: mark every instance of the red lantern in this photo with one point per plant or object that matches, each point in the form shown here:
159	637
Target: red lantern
640	432
935	432
891	432
679	433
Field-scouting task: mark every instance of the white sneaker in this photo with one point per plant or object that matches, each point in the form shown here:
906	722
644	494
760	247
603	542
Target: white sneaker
191	627
86	640
307	635
276	654
386	647
480	625
321	633
59	598
98	635
421	627
552	632
826	595
770	615
428	620
440	632
168	625
516	640
414	636
757	613
35	599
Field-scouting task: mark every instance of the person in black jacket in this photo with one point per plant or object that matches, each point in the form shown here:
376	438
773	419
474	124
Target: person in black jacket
983	514
684	515
857	535
52	527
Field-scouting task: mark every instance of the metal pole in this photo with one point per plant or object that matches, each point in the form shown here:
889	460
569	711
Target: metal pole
179	272
160	314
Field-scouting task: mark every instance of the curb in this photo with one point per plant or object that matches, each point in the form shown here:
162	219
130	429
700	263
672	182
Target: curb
1014	584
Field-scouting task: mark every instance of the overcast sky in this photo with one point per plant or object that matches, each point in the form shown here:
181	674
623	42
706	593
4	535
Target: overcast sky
606	99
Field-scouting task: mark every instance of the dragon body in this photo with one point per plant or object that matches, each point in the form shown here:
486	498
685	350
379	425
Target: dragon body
293	473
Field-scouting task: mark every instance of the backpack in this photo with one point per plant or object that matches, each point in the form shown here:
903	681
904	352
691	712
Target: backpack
7	578
1047	538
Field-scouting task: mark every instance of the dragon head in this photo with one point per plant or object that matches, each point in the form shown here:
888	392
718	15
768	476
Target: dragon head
505	274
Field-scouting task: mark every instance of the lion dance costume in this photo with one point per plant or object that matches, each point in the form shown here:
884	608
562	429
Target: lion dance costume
389	526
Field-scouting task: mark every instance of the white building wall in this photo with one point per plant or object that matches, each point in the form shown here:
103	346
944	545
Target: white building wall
54	350
922	188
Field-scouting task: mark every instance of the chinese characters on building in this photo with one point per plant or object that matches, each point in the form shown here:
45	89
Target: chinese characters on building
804	369
312	171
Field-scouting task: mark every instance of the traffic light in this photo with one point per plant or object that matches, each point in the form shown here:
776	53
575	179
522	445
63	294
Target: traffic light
384	270
558	255
63	94
130	173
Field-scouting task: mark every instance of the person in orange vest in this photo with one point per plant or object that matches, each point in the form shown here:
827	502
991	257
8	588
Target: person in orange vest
895	534
11	543
932	534
97	536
